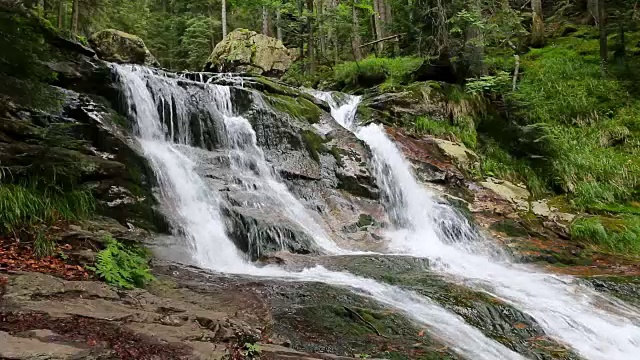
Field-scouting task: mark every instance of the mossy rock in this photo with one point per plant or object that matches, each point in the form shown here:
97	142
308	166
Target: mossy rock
249	52
333	320
298	107
123	48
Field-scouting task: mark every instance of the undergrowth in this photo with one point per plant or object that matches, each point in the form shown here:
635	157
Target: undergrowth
571	130
617	235
121	265
25	206
377	70
462	129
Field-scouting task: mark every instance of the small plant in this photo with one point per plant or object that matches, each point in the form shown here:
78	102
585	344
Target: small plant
363	356
252	351
43	246
122	265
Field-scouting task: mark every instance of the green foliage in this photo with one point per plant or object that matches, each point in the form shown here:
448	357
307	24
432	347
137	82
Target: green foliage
463	129
488	83
497	162
252	351
617	235
43	246
576	129
124	266
23	206
377	70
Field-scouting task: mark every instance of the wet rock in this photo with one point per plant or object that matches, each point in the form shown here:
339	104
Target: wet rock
120	47
247	51
257	232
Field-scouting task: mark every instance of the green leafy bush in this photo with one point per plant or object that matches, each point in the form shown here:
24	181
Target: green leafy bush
124	266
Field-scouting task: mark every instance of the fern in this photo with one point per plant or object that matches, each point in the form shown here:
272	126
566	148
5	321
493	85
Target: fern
122	265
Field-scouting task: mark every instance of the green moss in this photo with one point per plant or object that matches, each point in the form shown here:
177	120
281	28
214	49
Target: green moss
374	71
336	153
314	144
510	228
298	107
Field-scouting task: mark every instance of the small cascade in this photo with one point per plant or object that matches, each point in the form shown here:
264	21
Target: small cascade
194	208
594	325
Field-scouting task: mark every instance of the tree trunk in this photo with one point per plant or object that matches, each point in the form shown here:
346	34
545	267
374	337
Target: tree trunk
380	12
474	46
537	28
356	41
602	22
278	25
592	7
211	29
310	47
61	11
74	17
224	18
321	28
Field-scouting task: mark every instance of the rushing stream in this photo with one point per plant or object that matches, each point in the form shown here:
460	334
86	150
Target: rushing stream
593	325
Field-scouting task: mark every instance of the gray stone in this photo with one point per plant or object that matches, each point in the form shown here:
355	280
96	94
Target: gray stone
249	52
121	47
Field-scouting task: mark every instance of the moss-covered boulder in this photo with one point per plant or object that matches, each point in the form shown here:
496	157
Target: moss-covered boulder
120	47
249	52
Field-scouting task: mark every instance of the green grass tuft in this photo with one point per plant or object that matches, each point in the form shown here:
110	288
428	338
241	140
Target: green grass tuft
462	131
25	206
616	235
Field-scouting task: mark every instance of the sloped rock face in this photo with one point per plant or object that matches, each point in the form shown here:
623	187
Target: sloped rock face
120	47
246	51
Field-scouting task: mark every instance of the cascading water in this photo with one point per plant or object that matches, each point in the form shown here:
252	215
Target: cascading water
596	326
162	131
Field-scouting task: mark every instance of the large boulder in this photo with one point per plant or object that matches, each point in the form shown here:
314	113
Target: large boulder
120	47
249	52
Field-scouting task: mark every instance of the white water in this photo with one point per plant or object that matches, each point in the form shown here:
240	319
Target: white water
595	326
196	212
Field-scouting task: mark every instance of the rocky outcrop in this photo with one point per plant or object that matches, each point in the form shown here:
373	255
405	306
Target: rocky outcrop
246	51
120	47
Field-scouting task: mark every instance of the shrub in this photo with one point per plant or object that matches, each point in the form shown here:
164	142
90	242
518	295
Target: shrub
124	266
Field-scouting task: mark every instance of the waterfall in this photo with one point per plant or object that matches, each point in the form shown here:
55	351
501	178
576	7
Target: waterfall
158	105
594	325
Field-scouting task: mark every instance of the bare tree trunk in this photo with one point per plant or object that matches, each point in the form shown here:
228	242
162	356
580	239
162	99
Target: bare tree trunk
310	47
356	41
537	28
474	45
592	7
61	11
380	14
602	22
224	18
211	28
278	25
74	17
321	28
